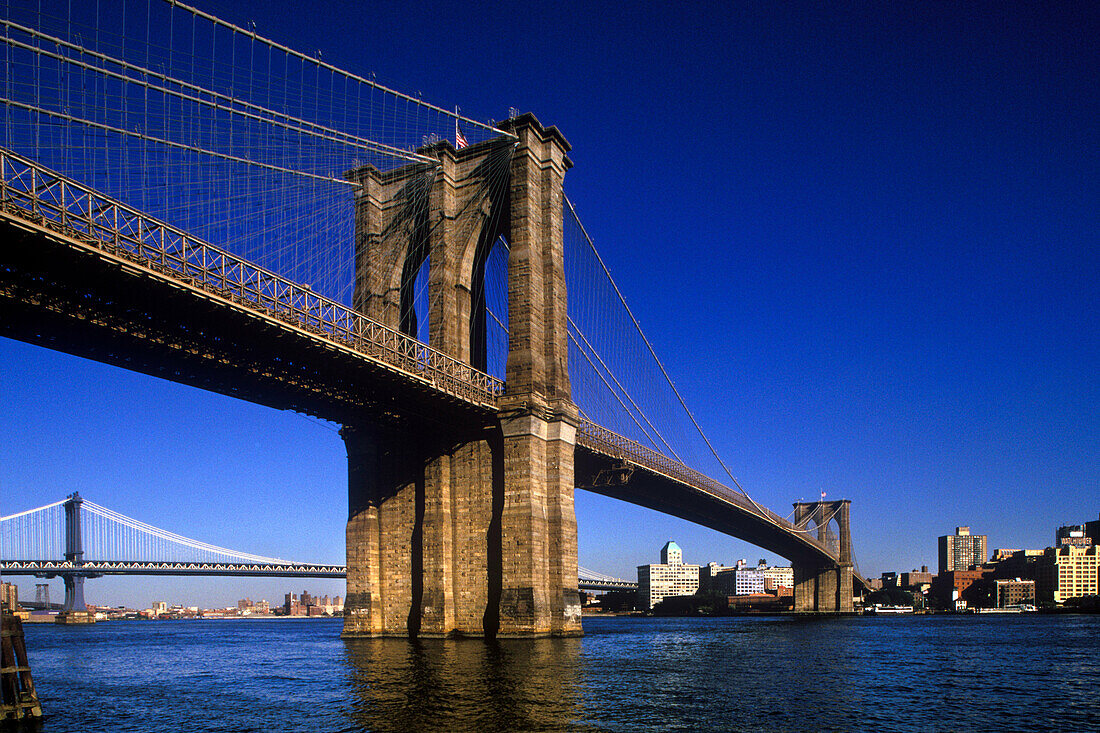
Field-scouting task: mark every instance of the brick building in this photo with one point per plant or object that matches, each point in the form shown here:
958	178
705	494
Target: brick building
1014	592
959	589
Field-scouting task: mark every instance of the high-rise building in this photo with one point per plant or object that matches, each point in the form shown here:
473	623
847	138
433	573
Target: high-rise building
669	578
9	596
961	550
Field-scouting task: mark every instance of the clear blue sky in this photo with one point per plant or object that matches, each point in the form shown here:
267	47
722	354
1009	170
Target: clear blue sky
864	239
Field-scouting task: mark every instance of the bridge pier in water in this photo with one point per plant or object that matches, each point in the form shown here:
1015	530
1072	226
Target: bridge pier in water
825	588
467	527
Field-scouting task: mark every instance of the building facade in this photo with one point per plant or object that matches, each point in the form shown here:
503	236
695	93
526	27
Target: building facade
961	550
746	580
916	579
956	590
9	596
778	576
669	578
1014	592
1068	572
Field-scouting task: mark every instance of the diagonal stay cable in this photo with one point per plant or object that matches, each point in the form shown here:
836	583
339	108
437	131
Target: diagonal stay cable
622	389
650	347
613	392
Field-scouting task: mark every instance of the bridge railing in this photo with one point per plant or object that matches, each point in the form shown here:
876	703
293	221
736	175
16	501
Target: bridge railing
167	567
33	192
601	440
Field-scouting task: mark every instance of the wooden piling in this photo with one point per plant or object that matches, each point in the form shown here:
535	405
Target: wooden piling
19	698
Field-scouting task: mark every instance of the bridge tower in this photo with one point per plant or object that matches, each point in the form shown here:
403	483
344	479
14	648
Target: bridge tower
74	553
825	588
467	528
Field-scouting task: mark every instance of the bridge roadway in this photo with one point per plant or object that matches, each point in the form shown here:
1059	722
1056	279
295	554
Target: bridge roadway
88	275
98	568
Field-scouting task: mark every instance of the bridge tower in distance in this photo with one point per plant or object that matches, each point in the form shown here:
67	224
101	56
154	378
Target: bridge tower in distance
74	553
825	588
466	525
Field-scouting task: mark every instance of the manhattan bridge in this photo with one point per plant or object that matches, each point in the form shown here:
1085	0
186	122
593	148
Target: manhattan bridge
183	197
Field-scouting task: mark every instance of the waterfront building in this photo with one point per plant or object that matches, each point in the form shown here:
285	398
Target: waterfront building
748	582
778	576
1014	592
759	602
743	580
669	578
159	607
915	579
956	590
1067	572
961	550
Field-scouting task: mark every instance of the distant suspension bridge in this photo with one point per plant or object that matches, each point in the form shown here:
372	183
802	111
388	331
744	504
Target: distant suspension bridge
75	539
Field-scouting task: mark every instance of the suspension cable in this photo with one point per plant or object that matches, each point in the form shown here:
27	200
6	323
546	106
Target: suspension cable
649	346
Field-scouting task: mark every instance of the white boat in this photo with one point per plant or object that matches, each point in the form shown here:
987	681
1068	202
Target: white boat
889	610
1020	608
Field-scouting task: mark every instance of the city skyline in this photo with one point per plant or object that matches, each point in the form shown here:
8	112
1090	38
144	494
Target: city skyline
872	231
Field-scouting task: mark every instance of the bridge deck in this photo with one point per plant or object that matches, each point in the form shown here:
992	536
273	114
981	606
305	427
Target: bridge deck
36	197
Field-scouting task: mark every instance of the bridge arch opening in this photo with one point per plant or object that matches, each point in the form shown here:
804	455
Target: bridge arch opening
832	537
489	307
416	300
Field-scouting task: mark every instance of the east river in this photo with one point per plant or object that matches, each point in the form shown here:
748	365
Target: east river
993	673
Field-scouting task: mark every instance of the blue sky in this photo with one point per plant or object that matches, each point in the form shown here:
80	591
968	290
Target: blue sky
864	240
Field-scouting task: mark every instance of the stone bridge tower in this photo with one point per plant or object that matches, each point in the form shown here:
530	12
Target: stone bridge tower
467	528
825	588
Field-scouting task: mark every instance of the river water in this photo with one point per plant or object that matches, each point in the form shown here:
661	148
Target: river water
626	674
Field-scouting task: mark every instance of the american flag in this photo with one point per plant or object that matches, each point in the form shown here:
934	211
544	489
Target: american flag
460	139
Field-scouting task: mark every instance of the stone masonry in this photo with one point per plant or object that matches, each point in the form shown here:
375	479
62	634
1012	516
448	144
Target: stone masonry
467	529
825	588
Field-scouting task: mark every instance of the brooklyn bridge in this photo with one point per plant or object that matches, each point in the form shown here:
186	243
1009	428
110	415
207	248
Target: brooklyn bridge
220	210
